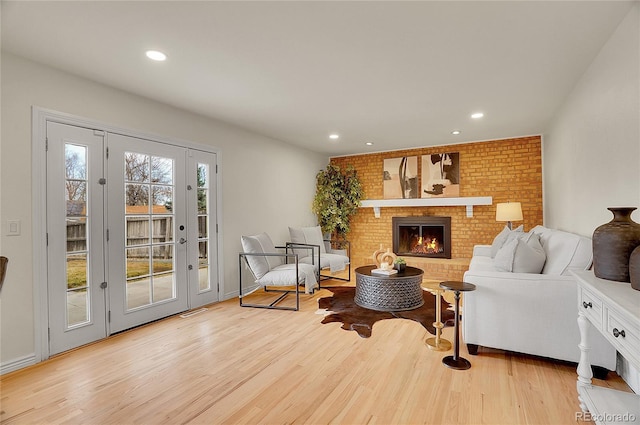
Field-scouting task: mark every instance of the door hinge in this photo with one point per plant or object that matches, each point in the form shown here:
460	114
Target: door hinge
103	285
107	152
216	227
49	334
109	316
47	239
46	144
107	235
216	168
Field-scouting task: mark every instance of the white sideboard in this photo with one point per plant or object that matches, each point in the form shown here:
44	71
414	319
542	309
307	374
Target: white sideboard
612	308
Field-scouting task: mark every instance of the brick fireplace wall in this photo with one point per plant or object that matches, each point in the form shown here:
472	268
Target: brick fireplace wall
507	170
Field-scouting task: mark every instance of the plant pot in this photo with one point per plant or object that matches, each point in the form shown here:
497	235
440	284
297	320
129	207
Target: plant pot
401	267
613	243
634	268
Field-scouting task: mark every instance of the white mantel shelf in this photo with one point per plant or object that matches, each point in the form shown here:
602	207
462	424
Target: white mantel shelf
468	202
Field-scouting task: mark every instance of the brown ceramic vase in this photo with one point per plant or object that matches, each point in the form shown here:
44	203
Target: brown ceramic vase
634	268
613	243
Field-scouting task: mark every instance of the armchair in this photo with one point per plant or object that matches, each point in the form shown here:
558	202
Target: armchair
270	269
323	254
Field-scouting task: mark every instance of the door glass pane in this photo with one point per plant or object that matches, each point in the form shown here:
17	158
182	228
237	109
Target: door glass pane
163	273
77	307
137	230
136	167
77	220
203	265
149	193
138	289
203	227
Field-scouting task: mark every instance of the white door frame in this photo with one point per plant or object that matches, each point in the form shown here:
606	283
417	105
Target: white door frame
40	117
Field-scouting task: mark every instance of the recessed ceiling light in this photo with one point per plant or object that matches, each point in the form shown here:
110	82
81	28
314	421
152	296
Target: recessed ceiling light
156	55
477	115
456	132
368	143
334	136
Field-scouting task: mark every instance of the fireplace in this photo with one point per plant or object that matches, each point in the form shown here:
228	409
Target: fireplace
426	236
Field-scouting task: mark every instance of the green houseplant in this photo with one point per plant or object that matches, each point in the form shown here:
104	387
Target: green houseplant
337	198
400	264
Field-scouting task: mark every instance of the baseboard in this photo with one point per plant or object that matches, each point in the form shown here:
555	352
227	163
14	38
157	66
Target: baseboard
17	364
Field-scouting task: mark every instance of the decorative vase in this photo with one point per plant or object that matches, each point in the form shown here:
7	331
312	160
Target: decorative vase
613	243
634	268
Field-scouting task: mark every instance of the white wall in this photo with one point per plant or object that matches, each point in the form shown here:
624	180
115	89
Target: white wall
268	185
591	153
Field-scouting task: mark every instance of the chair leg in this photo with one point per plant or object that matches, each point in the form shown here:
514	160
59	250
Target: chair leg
327	277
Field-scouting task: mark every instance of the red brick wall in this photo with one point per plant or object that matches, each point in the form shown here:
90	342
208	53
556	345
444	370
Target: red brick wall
507	170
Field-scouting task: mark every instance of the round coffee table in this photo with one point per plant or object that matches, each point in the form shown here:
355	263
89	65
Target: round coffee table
396	292
455	361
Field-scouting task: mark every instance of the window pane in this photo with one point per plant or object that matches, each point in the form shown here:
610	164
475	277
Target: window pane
162	229
76	191
202	201
162	197
137	198
136	167
75	158
161	170
76	234
137	231
77	307
202	226
203	265
163	276
77	271
203	278
203	175
138	290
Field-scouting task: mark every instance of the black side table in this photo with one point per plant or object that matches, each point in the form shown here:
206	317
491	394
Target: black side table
455	361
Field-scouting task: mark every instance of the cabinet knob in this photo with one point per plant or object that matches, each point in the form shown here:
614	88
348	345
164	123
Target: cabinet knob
586	304
618	333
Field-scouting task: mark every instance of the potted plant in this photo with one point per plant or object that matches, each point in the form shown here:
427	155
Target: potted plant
337	198
400	264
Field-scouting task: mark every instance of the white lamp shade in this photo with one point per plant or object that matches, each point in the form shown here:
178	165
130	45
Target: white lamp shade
509	211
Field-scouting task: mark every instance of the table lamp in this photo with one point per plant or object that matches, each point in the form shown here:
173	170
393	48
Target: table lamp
509	211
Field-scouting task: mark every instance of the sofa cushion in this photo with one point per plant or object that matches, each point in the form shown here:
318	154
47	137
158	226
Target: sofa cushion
502	237
565	251
521	254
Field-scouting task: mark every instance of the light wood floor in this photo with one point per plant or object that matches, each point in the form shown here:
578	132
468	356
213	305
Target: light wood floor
252	366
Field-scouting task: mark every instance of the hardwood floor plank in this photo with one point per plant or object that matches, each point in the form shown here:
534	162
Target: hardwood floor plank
233	365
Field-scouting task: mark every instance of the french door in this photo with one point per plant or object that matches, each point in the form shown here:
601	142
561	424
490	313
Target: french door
136	242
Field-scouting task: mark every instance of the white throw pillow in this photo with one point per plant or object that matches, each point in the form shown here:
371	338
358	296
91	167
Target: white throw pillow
521	254
502	237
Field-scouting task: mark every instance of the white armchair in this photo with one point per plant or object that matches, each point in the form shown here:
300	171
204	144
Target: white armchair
311	248
270	269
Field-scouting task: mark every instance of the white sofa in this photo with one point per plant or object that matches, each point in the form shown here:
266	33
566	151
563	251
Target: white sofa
532	313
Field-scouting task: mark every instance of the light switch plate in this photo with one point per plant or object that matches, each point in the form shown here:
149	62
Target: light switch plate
13	227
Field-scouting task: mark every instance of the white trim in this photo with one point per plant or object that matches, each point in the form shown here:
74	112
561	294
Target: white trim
40	117
468	202
16	364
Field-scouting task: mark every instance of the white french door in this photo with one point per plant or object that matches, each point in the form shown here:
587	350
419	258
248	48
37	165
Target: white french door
75	234
147	227
131	230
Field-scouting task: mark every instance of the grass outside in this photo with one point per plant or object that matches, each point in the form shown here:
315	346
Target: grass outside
77	270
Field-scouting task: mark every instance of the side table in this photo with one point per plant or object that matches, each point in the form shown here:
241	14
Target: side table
438	343
455	361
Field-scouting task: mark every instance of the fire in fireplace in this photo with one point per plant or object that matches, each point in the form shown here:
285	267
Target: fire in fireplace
426	236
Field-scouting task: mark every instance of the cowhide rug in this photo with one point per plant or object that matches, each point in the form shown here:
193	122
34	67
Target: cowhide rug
342	308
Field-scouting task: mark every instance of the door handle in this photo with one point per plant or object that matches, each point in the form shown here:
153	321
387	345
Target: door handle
182	241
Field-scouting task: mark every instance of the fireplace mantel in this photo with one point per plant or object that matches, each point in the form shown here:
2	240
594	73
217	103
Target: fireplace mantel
468	202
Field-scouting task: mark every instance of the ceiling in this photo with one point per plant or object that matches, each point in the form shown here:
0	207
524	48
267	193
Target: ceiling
397	74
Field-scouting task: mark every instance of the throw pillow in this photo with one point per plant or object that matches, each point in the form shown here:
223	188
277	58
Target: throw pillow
308	235
502	237
521	254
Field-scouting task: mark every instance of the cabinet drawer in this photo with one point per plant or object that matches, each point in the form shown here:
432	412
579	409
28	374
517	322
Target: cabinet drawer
591	306
627	340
